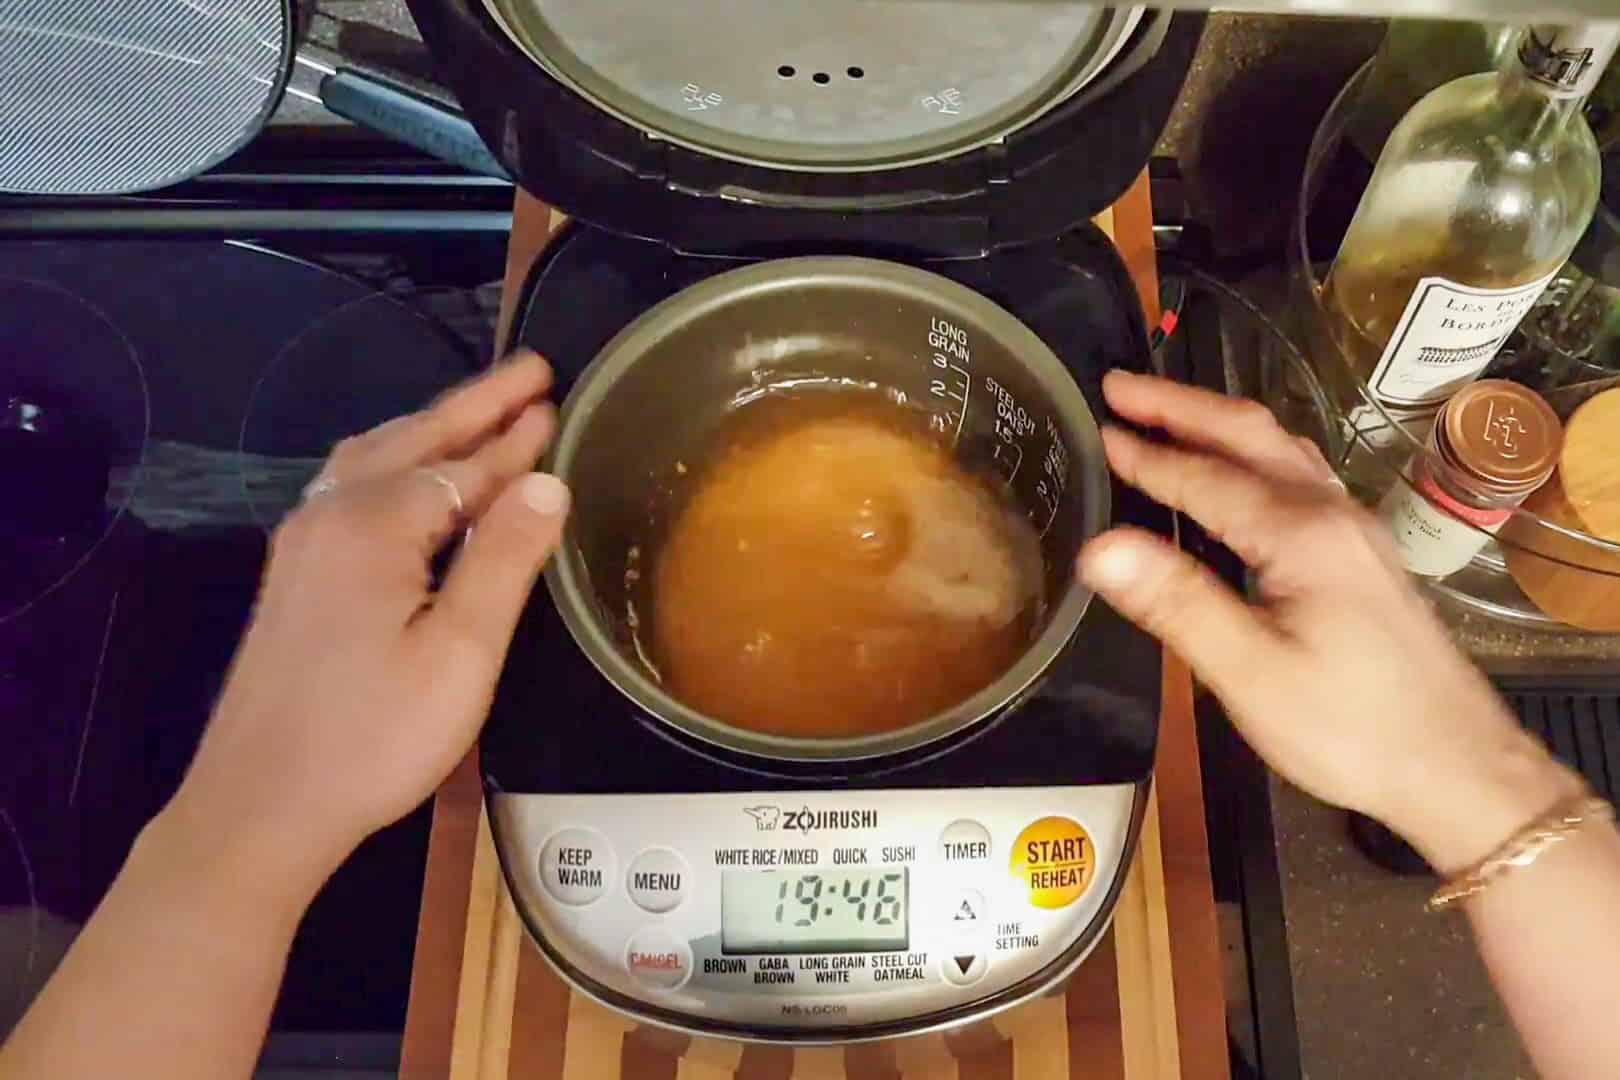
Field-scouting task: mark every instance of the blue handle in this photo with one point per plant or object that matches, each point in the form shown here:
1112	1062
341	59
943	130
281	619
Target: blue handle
428	126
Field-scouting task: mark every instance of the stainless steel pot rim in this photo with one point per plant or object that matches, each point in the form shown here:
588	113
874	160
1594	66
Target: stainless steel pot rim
568	577
526	26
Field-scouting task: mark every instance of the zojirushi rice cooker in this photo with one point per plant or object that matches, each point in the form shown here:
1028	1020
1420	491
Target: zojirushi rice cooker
894	194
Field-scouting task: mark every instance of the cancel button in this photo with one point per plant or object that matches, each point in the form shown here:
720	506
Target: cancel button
658	960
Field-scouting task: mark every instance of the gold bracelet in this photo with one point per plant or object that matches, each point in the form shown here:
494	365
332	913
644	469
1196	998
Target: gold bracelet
1523	847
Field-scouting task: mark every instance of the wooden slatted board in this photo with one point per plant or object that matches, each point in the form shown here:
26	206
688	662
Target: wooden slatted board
485	1005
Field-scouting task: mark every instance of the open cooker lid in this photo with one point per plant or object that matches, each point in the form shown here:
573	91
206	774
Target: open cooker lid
849	85
906	126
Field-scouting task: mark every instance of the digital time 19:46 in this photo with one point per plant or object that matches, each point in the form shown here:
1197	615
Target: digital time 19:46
813	896
814	911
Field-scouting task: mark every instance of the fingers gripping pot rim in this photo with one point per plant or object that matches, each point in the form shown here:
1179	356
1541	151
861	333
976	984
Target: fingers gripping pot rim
992	387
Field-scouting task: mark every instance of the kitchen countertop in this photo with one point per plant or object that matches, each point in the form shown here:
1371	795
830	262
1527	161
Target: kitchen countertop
1381	987
1504	648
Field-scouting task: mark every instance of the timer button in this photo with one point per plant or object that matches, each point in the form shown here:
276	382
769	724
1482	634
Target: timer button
964	842
963	969
1055	860
657	959
657	880
576	866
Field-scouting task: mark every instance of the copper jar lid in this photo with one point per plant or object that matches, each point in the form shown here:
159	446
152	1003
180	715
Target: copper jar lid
1501	435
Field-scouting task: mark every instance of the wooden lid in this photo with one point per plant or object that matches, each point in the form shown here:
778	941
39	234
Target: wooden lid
1590	464
1571	580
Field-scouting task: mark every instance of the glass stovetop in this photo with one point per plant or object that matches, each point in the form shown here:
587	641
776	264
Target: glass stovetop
161	407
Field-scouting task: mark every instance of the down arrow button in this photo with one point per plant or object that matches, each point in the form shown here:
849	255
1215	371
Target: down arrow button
964	969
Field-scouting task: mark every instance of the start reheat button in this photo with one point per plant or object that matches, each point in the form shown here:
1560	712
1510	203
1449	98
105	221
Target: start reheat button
1055	860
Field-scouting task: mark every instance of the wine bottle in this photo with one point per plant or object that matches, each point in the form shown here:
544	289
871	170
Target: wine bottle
1477	199
1416	56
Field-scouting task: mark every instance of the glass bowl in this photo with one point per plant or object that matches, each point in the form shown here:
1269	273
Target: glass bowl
1542	568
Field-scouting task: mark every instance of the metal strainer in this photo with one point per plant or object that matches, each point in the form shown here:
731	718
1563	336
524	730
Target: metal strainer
105	98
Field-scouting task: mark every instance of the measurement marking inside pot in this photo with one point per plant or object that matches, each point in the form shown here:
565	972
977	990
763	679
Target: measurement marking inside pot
948	341
967	388
1054	470
1052	504
1016	456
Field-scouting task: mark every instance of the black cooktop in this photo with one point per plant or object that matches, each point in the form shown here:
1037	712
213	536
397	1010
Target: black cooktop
1094	720
161	406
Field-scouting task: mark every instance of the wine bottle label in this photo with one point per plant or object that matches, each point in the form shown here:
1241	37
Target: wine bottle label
1447	335
1567	60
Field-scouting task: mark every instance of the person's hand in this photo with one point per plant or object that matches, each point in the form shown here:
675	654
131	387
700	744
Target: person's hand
1338	674
357	688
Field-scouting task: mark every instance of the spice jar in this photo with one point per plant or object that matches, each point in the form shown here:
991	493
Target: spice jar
1493	443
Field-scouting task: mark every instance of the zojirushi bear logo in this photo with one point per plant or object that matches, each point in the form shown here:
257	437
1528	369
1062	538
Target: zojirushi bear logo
804	819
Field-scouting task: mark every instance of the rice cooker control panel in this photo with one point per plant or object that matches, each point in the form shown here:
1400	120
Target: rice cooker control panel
792	910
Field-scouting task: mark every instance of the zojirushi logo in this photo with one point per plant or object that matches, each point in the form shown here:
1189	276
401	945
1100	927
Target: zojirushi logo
804	819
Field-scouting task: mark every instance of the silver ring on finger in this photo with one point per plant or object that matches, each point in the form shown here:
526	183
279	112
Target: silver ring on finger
449	485
324	484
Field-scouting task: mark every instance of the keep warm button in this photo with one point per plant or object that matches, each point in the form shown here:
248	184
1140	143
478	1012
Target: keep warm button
1055	860
576	866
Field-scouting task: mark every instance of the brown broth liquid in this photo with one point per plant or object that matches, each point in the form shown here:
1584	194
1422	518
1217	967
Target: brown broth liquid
833	571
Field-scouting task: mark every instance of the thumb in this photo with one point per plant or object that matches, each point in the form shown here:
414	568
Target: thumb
1178	600
487	588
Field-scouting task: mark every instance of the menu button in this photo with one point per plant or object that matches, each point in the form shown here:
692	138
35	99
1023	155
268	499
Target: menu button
657	881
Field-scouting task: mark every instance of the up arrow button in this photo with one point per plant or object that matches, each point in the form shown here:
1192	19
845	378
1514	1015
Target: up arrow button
964	913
